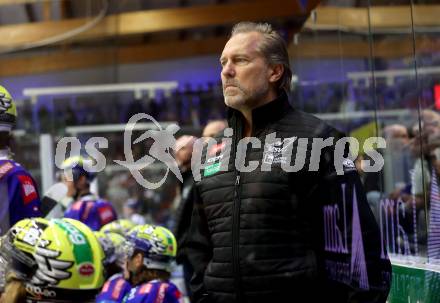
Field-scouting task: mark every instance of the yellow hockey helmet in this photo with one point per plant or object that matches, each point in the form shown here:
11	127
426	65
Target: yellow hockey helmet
156	242
59	260
121	226
8	110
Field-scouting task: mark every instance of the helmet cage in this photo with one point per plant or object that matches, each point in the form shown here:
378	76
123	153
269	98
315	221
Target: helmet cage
20	262
7	119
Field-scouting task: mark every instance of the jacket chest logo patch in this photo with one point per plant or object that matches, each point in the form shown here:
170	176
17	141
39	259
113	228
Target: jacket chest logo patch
214	159
211	169
212	165
277	151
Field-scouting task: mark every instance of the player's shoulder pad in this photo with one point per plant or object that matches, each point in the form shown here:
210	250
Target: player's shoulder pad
10	167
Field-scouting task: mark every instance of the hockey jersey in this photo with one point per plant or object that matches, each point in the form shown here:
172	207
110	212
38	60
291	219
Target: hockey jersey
114	290
154	292
19	197
92	211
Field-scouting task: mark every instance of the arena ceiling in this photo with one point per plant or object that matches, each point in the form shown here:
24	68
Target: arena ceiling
41	36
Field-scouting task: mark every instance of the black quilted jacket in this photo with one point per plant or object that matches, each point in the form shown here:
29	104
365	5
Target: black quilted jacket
277	236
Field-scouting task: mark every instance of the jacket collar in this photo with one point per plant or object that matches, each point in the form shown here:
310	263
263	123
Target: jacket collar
264	115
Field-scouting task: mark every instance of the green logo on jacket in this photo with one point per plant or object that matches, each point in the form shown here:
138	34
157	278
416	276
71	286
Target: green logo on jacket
211	169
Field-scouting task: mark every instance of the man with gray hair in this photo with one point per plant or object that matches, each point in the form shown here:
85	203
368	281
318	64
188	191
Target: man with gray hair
276	233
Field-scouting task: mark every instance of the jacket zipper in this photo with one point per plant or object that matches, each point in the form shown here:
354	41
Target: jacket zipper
236	216
236	237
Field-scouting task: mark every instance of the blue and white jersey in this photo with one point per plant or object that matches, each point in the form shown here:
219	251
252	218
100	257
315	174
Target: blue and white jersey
114	290
154	292
19	197
92	211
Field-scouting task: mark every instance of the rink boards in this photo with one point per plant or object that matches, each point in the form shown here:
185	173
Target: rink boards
414	283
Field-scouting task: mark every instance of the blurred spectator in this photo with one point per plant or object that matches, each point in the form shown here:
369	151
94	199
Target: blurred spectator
213	128
87	208
397	159
116	191
184	149
422	146
372	184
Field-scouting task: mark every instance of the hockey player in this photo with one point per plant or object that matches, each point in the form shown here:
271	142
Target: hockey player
150	250
153	253
112	245
19	197
87	208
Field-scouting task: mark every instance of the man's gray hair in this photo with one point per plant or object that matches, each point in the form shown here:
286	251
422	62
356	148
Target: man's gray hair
273	47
